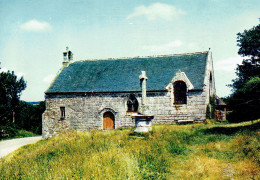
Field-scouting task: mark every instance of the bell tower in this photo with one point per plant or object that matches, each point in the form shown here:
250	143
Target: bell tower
67	57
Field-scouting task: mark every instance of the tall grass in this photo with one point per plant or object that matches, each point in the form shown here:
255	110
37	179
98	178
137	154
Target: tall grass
168	152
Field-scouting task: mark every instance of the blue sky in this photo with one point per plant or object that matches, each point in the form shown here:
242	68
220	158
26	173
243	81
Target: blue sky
34	33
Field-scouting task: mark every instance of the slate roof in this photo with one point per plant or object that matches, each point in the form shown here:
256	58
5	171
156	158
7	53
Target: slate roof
220	102
123	74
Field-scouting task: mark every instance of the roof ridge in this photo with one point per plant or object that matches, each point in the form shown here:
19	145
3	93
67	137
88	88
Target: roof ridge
121	58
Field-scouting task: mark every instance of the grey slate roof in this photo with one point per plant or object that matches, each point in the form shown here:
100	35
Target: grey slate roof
220	102
123	74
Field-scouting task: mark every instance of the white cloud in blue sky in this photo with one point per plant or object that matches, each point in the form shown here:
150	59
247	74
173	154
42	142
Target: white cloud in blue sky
157	11
228	64
35	26
34	33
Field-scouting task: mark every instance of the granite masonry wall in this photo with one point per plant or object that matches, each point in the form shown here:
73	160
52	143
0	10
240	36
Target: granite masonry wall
85	111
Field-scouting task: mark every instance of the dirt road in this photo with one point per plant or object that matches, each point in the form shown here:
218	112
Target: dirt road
9	146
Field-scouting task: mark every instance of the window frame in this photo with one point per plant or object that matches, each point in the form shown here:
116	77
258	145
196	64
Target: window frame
132	104
180	93
62	112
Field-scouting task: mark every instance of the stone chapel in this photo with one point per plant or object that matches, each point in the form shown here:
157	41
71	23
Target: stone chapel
106	93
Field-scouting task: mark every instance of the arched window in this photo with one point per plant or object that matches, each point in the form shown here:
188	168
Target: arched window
132	104
180	89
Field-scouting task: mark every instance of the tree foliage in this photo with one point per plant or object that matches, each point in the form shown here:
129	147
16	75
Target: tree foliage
244	72
16	114
248	42
211	108
10	92
249	46
30	116
245	100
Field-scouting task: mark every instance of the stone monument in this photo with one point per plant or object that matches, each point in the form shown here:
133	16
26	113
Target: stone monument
143	118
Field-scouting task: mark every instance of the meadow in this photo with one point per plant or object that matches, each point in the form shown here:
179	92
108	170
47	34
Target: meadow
195	151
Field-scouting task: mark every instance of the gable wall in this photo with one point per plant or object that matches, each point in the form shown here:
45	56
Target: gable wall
85	112
209	88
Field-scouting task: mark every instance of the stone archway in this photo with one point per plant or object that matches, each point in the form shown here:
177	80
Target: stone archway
108	121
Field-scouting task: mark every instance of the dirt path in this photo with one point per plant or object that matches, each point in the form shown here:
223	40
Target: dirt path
9	146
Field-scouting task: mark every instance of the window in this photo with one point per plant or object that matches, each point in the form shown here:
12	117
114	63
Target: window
180	89
69	55
210	85
132	104
62	112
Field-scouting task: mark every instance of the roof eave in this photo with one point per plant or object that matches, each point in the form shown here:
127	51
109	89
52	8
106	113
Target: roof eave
92	92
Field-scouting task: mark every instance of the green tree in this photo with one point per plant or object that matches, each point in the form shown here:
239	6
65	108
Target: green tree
30	116
248	42
10	92
249	46
16	114
245	100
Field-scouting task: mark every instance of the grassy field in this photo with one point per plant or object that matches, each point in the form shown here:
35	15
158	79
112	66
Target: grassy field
168	152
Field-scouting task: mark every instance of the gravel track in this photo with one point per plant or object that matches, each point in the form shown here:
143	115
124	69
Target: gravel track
8	146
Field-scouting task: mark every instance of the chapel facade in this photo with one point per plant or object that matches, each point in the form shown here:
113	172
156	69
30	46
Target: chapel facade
105	94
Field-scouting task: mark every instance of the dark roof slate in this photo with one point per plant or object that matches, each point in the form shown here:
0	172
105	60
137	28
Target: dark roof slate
123	74
220	102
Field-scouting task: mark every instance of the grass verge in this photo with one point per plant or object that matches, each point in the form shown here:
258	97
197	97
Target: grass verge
194	151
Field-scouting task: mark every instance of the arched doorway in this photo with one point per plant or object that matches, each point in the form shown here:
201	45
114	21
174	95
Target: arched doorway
108	121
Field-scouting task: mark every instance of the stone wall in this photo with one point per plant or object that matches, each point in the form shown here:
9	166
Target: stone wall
85	111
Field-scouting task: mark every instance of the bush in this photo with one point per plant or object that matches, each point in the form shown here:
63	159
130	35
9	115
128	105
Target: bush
211	108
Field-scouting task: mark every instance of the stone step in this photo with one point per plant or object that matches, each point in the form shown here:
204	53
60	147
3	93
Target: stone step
185	121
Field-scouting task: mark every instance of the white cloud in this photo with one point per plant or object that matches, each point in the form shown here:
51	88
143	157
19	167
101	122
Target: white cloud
35	26
157	11
228	64
164	48
49	78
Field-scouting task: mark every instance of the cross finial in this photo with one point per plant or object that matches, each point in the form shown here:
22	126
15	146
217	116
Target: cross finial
143	75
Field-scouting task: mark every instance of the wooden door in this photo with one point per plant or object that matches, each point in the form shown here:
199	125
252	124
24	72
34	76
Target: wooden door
108	121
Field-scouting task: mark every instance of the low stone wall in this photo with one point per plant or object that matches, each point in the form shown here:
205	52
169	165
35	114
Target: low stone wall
85	111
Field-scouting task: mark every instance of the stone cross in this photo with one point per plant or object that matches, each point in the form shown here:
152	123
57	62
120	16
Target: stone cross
143	118
143	79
